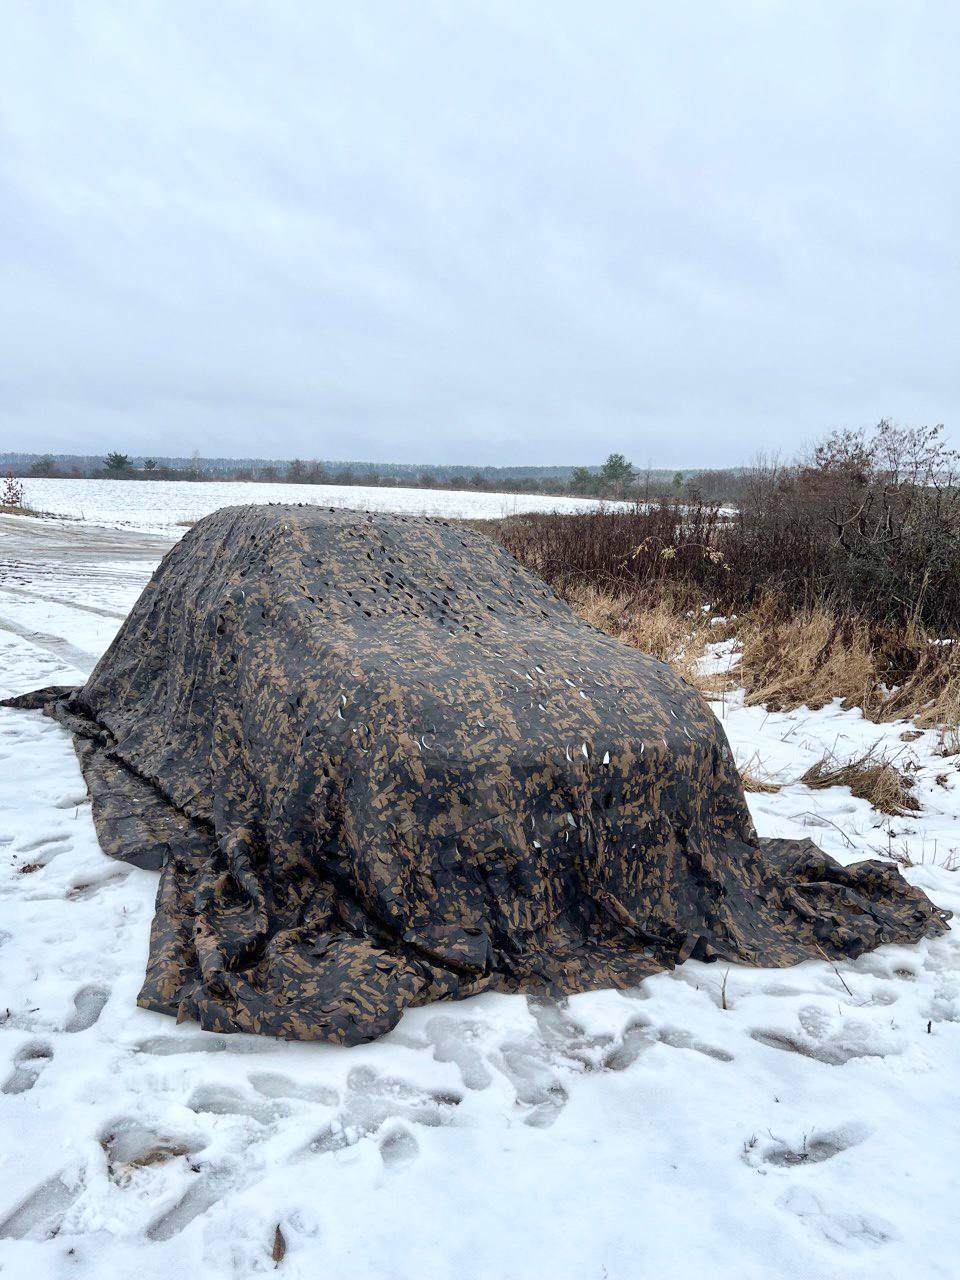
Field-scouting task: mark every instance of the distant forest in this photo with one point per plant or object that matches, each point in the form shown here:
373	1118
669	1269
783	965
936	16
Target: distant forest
615	478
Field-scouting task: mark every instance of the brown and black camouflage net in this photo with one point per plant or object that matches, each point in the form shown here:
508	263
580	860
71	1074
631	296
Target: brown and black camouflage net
381	764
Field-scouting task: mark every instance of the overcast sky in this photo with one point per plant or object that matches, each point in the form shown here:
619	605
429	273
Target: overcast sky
498	233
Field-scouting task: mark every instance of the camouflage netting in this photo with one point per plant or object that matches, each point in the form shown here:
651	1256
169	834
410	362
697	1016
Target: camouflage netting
381	764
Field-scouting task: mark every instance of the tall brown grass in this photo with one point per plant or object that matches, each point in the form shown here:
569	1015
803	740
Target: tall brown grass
663	628
815	655
787	660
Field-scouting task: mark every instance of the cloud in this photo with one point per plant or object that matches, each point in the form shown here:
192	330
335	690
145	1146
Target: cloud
475	233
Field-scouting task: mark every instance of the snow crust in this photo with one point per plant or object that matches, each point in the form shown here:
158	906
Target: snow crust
718	1123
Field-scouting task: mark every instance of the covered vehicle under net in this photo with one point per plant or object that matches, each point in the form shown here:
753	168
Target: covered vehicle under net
381	764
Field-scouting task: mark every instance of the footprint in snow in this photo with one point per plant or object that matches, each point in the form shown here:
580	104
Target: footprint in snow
202	1042
539	1065
43	842
546	1112
847	1230
457	1041
370	1101
222	1100
399	1148
821	1037
835	1052
273	1085
28	1062
560	1032
812	1148
640	1035
39	1216
88	1006
84	889
636	1039
814	1021
130	1146
44	851
209	1186
677	1038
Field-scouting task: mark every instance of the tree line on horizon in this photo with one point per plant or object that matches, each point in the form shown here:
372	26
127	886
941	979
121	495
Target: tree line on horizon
614	479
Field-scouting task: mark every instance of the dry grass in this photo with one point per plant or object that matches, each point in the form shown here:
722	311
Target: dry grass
664	630
18	511
807	658
815	655
872	777
811	627
753	782
929	692
756	778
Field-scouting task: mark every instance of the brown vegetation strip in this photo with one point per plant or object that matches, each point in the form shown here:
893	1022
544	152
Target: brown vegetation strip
788	661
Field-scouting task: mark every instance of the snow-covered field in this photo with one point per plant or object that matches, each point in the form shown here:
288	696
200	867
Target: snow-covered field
808	1129
162	505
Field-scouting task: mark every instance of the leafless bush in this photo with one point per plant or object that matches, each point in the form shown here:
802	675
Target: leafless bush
868	526
11	495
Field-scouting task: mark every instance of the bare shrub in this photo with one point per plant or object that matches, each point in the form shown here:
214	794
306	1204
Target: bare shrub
869	525
11	495
645	549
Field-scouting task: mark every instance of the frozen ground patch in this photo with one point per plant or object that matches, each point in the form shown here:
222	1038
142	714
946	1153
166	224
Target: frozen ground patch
807	1129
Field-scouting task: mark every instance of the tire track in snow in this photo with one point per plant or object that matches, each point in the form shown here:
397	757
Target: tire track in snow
56	645
69	604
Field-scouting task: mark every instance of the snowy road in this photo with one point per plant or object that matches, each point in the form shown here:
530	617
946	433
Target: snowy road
807	1129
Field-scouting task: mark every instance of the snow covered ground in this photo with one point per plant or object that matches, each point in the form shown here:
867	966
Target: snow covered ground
808	1129
161	506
